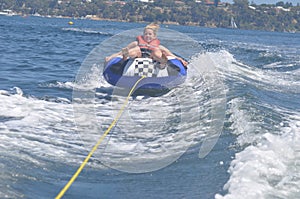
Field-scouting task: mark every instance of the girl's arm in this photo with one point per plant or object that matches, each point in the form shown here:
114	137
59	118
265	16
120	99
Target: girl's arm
167	52
129	46
132	45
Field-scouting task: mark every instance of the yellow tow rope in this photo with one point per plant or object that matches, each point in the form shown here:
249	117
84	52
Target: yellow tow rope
67	186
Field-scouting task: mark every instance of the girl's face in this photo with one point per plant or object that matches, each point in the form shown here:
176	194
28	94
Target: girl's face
149	35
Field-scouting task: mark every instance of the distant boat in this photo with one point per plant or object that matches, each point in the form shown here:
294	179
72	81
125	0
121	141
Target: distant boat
232	23
7	12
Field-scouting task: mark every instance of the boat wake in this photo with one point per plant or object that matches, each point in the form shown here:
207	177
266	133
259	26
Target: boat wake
46	135
264	119
153	131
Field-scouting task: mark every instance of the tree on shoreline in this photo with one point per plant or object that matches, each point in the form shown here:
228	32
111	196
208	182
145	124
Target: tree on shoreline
279	17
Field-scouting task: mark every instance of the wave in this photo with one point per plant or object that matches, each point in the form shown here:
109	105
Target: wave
268	166
263	116
42	133
45	132
271	80
89	81
263	55
87	31
34	134
58	84
153	131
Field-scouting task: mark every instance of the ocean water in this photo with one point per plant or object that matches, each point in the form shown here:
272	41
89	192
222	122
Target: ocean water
231	131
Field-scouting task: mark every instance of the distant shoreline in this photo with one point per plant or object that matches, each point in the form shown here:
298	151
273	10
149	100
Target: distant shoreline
125	21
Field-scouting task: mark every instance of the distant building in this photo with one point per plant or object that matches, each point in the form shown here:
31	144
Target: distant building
278	8
252	7
209	2
213	3
179	2
122	3
146	1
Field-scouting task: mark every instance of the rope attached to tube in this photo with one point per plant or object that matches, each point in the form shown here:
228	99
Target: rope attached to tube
76	174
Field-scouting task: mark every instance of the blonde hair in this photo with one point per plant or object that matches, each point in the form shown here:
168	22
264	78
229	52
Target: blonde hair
152	26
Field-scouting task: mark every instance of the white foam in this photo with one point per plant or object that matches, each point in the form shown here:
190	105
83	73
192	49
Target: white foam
260	170
262	79
268	165
268	170
38	127
143	134
92	80
34	134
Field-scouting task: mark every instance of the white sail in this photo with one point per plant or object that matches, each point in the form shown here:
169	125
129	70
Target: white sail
232	23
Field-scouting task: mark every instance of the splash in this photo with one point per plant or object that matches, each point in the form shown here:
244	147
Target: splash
264	119
153	132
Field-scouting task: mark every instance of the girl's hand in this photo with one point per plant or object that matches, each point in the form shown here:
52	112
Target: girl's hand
185	63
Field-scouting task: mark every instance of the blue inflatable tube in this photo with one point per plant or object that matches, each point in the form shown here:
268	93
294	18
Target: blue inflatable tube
125	73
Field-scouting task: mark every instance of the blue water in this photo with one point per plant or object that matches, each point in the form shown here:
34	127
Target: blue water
46	132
